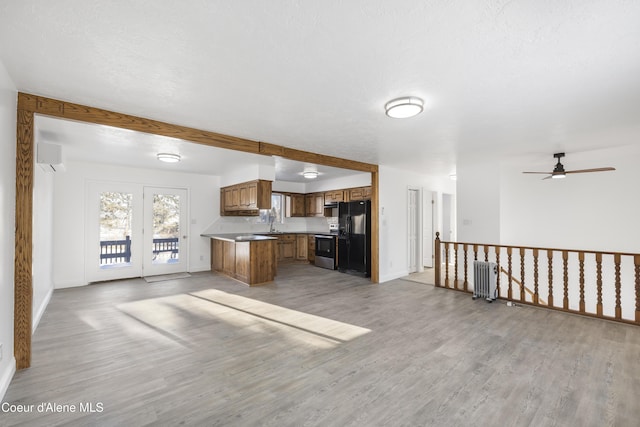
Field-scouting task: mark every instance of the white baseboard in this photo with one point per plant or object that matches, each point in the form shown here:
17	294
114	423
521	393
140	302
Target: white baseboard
40	311
392	276
6	378
71	284
200	269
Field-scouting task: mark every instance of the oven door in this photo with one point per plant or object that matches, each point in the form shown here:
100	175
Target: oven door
325	251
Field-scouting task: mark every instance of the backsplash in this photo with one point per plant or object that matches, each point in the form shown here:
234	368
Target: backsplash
252	224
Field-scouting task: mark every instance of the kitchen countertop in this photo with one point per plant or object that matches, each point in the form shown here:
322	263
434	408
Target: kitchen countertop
239	237
276	233
248	236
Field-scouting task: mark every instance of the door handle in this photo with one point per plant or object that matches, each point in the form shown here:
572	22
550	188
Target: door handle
184	237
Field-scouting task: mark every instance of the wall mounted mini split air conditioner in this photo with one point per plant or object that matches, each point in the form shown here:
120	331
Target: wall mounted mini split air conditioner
49	157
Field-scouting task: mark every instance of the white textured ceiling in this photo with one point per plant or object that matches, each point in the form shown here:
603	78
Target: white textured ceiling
503	78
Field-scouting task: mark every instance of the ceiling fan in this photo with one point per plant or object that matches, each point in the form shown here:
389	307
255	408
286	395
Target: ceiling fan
559	172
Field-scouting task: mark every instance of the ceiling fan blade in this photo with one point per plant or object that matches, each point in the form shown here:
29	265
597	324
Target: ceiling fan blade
546	173
548	177
592	170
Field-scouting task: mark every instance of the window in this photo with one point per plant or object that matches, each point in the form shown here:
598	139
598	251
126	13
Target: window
277	207
276	214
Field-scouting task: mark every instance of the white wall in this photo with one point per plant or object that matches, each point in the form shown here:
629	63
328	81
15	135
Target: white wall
478	200
250	172
69	213
497	203
358	179
289	187
8	97
597	211
42	242
394	184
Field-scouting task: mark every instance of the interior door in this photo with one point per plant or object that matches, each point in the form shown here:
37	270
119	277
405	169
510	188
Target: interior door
113	233
413	228
165	231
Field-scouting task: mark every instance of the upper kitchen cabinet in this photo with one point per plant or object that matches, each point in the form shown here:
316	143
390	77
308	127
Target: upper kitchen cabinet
231	199
295	205
358	193
245	199
314	204
334	196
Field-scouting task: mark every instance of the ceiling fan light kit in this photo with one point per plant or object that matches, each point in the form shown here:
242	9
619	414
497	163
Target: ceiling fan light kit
559	172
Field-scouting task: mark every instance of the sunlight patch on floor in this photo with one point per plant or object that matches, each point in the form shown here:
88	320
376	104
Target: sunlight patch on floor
187	318
308	322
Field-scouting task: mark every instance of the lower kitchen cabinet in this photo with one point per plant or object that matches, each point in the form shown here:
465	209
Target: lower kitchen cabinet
286	247
301	247
217	248
229	258
311	248
252	262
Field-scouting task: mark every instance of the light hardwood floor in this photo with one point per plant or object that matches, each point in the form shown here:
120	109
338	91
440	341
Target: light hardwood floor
320	348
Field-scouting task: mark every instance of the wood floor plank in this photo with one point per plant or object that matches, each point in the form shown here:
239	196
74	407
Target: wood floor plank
321	348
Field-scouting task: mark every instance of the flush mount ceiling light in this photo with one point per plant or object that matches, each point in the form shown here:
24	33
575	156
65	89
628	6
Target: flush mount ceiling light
402	108
310	174
169	157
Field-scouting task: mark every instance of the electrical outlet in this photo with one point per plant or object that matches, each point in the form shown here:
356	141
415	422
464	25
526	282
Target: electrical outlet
0	351
201	257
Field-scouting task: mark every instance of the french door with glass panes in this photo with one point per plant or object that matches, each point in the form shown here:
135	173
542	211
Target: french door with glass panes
134	231
165	231
113	231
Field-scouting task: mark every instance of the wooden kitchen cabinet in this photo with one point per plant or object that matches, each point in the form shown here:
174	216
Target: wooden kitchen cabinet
301	247
286	247
311	248
367	193
252	262
295	205
217	249
334	196
315	204
229	258
359	193
246	199
231	199
255	195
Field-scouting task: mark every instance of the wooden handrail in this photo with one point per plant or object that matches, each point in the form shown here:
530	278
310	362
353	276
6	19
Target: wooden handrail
601	287
586	251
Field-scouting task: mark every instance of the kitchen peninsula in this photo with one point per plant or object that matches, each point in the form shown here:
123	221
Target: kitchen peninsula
248	258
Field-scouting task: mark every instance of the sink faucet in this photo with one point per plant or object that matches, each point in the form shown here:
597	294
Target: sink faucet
272	220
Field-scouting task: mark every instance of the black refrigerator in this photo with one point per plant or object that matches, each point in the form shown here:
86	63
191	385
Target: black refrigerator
354	237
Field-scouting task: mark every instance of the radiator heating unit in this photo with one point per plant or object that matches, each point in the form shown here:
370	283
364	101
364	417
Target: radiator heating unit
485	275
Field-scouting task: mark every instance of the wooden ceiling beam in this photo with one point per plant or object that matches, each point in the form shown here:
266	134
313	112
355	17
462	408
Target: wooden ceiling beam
83	113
